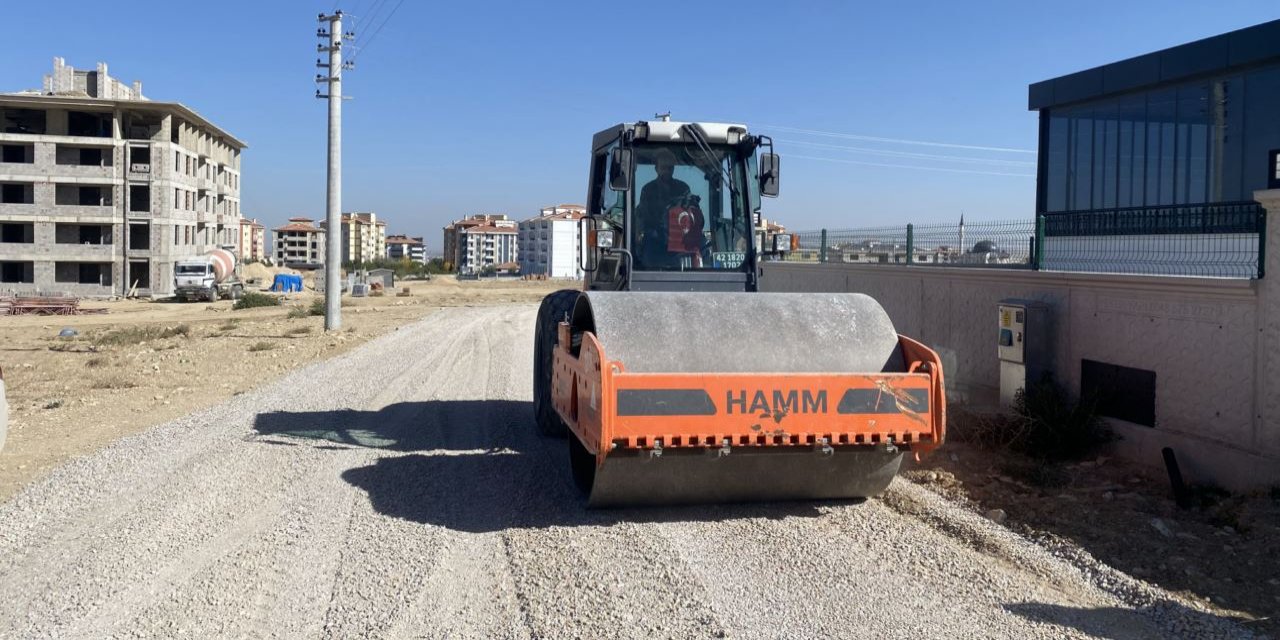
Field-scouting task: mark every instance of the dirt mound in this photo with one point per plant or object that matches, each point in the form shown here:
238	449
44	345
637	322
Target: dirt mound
261	272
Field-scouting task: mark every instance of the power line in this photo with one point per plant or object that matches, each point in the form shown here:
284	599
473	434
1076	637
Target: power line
908	154
376	31
370	13
852	136
903	166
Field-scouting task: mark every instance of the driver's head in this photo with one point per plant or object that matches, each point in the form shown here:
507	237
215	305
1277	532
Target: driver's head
664	162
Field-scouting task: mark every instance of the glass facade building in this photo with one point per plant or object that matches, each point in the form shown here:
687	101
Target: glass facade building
1194	124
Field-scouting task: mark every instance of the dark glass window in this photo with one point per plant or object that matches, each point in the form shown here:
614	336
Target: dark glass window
1262	134
1162	128
1193	144
1082	169
1105	159
1199	142
1056	157
1229	139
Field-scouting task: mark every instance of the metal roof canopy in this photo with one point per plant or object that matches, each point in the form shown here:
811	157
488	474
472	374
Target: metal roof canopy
1237	49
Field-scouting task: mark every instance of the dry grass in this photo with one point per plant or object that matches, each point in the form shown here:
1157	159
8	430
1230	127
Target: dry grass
114	384
138	335
261	346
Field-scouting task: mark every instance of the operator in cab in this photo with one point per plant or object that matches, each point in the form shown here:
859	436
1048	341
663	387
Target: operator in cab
651	212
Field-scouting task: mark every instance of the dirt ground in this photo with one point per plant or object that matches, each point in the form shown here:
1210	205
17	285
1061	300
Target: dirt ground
71	396
1219	552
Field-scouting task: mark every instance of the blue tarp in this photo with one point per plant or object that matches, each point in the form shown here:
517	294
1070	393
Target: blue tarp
286	283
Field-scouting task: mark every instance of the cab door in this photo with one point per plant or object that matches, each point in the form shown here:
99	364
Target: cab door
608	208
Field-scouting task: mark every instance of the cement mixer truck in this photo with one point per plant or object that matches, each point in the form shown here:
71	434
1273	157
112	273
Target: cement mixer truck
209	277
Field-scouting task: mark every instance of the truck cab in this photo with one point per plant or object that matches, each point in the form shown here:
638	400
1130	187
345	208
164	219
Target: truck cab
672	206
194	279
208	277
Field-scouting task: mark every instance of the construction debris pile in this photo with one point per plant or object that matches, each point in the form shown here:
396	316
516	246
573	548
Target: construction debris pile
43	306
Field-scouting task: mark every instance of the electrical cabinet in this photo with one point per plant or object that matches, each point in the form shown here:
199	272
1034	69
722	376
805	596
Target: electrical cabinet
1023	345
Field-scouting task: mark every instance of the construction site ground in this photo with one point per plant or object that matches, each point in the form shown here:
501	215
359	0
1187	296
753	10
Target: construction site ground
69	397
398	489
1218	552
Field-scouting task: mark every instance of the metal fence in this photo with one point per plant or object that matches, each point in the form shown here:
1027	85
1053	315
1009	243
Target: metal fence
986	244
1219	240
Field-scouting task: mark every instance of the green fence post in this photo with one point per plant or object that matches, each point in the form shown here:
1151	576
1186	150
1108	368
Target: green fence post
822	253
911	243
1037	260
1262	242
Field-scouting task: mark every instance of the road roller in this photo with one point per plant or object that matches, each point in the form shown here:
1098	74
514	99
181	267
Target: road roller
675	379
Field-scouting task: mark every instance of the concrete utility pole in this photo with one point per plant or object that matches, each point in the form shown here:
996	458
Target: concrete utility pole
333	233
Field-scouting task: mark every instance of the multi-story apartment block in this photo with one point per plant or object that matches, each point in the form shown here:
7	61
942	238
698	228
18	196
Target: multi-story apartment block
103	190
253	241
551	242
300	242
453	249
364	237
406	248
488	245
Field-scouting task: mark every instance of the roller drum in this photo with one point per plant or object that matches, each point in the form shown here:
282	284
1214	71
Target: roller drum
741	332
737	333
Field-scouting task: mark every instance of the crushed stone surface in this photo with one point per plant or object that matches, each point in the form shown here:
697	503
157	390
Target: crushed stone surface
400	490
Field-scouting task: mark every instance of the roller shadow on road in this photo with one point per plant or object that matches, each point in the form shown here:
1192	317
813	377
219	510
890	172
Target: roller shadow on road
476	466
1126	624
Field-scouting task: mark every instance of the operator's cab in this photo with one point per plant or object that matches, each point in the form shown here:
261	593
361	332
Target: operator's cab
672	207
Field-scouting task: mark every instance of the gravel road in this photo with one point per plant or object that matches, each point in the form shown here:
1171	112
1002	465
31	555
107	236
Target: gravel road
400	491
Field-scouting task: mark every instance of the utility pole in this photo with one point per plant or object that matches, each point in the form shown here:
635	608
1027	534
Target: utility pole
332	43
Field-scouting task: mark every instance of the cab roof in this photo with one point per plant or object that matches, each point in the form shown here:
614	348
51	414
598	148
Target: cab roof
671	131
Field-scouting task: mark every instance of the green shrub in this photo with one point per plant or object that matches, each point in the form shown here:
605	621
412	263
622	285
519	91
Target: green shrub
253	300
316	308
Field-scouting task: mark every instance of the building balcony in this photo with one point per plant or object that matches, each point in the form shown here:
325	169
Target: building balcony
68	173
73	251
81	212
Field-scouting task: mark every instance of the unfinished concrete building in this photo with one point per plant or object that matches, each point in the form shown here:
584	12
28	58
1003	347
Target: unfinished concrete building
103	190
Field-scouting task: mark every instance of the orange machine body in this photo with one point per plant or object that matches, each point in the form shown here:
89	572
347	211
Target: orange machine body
610	409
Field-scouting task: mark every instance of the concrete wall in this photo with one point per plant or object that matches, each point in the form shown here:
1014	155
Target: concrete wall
1213	343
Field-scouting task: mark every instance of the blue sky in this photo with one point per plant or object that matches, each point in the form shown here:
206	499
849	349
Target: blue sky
478	106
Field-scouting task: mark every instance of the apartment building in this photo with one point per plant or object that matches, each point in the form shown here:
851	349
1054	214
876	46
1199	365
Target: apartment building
252	246
551	242
488	245
364	237
103	190
300	242
406	248
453	249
